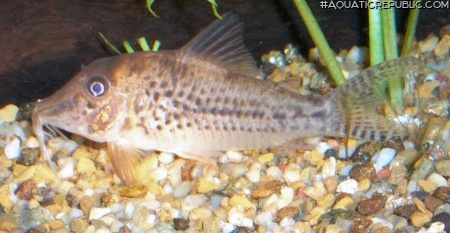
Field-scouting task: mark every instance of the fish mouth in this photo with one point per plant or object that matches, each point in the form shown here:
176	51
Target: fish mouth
49	113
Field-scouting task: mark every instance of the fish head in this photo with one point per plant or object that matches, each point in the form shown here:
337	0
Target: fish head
91	104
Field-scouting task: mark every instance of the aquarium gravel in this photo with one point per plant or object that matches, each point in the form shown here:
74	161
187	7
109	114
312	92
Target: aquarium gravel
340	186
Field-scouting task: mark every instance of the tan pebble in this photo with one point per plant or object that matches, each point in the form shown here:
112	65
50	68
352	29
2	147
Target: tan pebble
85	165
288	211
267	190
427	186
419	218
134	191
205	186
314	157
333	228
79	225
428	44
331	183
314	215
250	212
346	203
303	226
317	191
5	200
7	225
199	213
56	224
402	187
46	174
238	200
443	46
398	173
426	90
364	185
8	113
265	158
32	204
23	173
443	167
82	152
54	209
327	201
308	173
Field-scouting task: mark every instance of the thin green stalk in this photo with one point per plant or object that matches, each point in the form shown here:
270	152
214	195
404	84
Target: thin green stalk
410	30
109	44
391	52
320	41
375	35
128	47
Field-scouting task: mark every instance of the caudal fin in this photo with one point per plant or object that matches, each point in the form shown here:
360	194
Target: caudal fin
357	103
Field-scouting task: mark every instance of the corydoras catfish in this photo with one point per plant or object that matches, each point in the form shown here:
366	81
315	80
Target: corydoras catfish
203	99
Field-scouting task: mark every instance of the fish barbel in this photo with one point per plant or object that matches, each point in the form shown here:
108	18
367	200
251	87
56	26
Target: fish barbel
203	99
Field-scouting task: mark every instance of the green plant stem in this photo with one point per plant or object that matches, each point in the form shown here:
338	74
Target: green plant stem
128	47
410	31
391	52
109	44
320	41
375	36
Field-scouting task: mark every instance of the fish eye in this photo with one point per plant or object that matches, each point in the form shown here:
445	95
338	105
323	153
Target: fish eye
97	86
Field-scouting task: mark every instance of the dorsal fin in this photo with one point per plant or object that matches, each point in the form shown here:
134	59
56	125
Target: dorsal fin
222	42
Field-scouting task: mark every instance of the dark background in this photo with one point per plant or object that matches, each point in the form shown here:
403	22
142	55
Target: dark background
44	43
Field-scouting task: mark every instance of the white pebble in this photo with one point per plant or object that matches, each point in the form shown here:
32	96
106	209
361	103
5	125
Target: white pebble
264	218
75	213
291	173
254	175
349	186
437	179
102	229
436	227
108	219
235	156
191	202
227	227
129	209
287	195
67	167
56	143
237	217
183	189
69	146
97	213
385	156
286	222
166	158
151	204
116	225
32	142
329	167
413	186
275	172
158	173
12	149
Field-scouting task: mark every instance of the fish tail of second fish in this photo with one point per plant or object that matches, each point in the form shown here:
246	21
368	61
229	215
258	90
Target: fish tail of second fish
358	105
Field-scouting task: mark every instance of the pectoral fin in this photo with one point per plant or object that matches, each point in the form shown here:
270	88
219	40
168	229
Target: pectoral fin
126	163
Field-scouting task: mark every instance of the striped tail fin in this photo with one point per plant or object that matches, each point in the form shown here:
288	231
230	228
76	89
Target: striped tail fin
357	102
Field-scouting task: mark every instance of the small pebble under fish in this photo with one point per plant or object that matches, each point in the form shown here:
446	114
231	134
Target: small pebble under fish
205	98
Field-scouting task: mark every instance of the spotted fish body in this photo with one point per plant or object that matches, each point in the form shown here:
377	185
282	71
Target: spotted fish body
203	99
